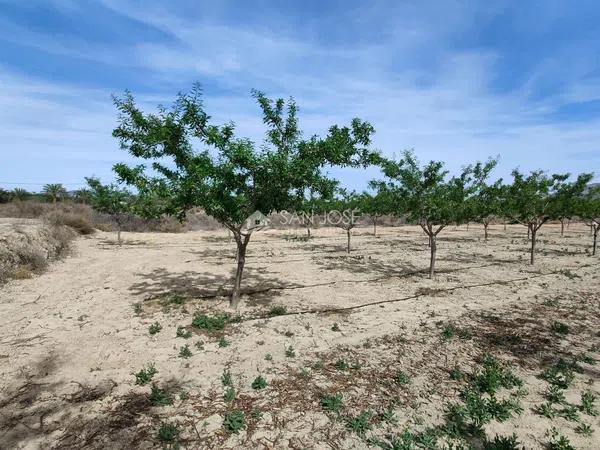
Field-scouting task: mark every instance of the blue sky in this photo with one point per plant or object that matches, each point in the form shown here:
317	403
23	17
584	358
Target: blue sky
455	80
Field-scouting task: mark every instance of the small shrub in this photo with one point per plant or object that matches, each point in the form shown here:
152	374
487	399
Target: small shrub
588	400
168	432
78	222
145	375
229	394
259	383
185	352
559	328
234	421
457	374
223	342
268	357
199	345
503	443
226	378
155	328
289	352
137	308
561	374
341	364
360	424
277	311
159	397
558	441
584	429
335	327
183	332
210	323
555	394
400	378
332	403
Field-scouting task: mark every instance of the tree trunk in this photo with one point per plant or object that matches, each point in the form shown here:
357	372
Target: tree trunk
533	233
119	235
467	226
308	231
505	225
562	227
242	243
432	240
528	232
348	247
485	231
374	225
596	228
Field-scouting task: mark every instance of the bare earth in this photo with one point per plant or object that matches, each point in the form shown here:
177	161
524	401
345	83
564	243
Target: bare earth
71	339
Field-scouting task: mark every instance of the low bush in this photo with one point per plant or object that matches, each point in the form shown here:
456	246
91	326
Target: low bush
79	222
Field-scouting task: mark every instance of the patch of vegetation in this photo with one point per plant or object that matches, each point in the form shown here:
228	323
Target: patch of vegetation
183	332
559	328
289	352
400	378
335	327
209	323
259	383
229	394
584	429
223	342
185	352
588	403
277	311
457	374
558	441
145	375
226	378
199	345
561	374
155	328
234	421
159	397
341	364
332	402
503	443
168	432
360	424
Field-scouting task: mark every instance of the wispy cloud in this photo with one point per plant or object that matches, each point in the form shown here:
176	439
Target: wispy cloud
422	74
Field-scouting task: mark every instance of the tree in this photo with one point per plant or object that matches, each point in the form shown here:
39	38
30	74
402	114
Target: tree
564	202
20	194
55	191
110	199
82	195
343	212
231	178
429	197
5	196
375	205
486	204
536	198
588	209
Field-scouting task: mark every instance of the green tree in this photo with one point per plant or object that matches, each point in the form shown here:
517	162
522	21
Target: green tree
486	204
230	178
564	202
375	205
588	209
110	199
5	196
535	199
343	211
428	196
55	191
82	195
20	194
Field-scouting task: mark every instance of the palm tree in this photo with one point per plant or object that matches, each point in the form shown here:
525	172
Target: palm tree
20	194
55	191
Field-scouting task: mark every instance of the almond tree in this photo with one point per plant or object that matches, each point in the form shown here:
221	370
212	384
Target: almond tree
428	196
199	164
486	204
343	212
536	198
110	199
588	209
20	194
565	198
375	205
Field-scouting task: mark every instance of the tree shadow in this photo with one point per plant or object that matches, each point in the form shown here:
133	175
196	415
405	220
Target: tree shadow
360	264
193	285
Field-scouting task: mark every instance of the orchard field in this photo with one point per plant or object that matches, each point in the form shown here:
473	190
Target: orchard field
137	347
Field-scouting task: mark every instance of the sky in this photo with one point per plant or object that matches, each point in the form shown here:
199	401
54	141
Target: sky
457	81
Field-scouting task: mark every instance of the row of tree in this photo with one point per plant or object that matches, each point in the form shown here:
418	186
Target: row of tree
197	164
52	192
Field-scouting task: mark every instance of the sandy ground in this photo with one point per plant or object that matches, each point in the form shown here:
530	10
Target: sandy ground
71	338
